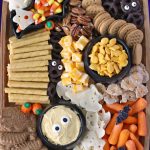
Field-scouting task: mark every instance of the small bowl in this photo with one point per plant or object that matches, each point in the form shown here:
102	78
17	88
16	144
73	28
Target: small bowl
62	147
104	79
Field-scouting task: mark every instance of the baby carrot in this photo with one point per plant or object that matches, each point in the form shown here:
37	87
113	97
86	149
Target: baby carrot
133	128
115	107
140	105
130	145
130	120
114	136
108	109
142	124
113	148
130	103
107	145
111	124
139	146
124	135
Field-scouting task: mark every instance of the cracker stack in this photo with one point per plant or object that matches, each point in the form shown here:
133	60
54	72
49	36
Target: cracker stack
28	69
18	130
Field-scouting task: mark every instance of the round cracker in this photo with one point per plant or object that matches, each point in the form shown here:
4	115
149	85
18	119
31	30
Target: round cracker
100	19
124	29
115	26
134	37
86	3
103	27
93	10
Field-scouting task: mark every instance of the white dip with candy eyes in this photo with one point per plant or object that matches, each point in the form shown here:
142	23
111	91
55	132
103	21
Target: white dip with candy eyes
61	125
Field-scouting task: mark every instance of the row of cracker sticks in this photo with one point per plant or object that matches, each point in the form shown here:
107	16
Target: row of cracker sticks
28	76
18	130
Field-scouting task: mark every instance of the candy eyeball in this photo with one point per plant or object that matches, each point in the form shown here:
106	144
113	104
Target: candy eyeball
134	4
65	120
54	63
56	128
60	67
126	7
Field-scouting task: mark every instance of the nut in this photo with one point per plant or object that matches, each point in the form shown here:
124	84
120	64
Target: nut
78	11
84	20
75	2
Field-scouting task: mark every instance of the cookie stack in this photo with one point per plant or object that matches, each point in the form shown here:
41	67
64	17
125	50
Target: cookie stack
18	130
28	76
105	24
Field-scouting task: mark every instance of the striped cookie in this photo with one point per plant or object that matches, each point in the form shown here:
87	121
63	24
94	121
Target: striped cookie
104	25
124	29
115	26
100	13
100	19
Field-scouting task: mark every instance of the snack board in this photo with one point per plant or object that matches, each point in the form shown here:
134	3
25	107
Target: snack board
6	32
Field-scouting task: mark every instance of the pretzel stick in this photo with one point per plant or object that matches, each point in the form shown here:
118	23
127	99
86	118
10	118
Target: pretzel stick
39	69
26	91
31	49
30	41
40	58
28	74
28	97
30	35
28	64
30	79
36	85
20	102
30	54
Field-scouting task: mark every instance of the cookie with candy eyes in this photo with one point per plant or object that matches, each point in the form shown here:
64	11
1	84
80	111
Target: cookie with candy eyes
55	69
129	6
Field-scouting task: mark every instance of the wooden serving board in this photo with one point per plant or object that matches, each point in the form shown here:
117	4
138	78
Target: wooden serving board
6	32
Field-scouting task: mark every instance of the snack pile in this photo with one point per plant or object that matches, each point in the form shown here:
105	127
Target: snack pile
47	70
108	57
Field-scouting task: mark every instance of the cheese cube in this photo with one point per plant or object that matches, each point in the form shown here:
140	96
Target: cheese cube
70	49
66	41
65	54
65	75
66	81
84	79
75	74
78	88
81	43
80	66
69	66
76	57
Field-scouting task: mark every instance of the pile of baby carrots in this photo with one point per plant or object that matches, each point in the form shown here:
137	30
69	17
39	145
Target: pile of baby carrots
127	133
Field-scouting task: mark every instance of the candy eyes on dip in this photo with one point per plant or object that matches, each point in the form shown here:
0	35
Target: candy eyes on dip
61	125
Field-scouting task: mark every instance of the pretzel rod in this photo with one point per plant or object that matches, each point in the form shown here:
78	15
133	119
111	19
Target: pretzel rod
30	54
30	35
28	74
26	91
46	79
28	97
28	64
36	85
39	69
31	49
21	102
40	58
30	41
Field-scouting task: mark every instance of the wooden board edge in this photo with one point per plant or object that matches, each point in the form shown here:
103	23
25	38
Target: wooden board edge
147	49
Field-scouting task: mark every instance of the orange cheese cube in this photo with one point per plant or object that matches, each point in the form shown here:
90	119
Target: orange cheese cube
69	66
75	74
76	57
